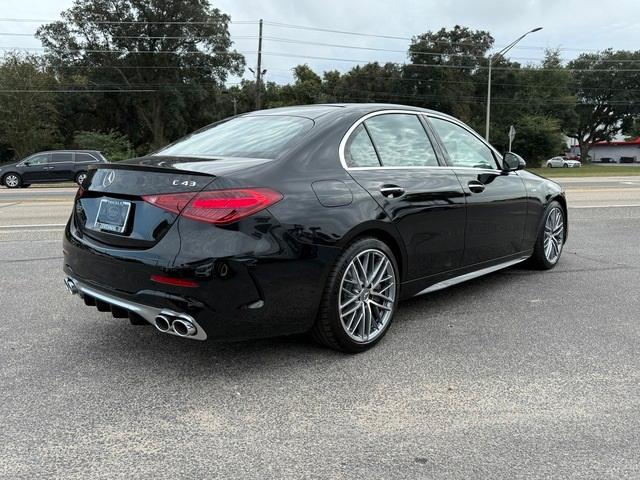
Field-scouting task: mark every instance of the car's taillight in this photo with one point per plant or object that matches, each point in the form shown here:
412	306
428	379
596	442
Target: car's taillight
220	207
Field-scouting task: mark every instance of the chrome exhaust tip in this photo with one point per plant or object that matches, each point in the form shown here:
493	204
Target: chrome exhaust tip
71	286
162	323
183	328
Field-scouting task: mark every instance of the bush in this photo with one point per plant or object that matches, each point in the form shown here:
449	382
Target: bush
115	146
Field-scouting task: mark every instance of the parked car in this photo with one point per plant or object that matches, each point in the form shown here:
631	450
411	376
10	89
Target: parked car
318	218
562	162
50	167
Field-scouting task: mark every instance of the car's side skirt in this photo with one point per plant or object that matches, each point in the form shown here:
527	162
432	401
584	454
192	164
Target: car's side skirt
471	275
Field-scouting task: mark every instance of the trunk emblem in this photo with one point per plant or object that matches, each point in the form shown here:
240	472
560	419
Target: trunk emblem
108	178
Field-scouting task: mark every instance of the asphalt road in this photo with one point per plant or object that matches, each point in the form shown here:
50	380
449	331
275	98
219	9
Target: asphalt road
520	374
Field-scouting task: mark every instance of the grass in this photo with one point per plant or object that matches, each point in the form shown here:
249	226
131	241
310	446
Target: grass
589	171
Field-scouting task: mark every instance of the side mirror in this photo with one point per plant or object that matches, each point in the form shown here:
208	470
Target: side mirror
512	162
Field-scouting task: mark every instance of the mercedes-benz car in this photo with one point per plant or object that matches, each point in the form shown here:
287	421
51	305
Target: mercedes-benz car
305	219
561	162
50	167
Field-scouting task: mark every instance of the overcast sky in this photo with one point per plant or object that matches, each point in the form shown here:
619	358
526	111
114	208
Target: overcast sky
569	24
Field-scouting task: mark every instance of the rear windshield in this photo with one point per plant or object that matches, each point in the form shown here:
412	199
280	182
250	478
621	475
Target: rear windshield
252	137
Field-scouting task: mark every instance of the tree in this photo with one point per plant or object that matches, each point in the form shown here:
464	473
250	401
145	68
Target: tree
170	71
606	87
538	138
27	103
633	130
114	145
443	66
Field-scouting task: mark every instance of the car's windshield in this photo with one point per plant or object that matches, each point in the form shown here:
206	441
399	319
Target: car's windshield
260	136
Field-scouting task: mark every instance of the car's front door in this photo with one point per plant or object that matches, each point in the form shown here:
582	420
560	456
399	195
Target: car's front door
35	168
394	159
496	200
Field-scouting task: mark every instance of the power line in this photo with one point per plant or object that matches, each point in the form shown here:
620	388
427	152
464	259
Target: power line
125	52
126	22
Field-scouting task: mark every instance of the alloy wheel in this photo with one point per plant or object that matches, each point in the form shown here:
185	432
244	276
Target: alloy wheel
11	181
80	178
367	295
553	235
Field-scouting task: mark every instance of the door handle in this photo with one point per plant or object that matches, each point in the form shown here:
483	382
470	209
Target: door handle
392	191
47	168
476	186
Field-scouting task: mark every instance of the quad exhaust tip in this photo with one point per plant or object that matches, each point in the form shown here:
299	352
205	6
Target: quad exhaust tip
179	326
183	328
162	323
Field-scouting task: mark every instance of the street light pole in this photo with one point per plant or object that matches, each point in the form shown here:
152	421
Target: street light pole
491	58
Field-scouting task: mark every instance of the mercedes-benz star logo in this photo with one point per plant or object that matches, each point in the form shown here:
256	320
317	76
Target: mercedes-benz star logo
109	177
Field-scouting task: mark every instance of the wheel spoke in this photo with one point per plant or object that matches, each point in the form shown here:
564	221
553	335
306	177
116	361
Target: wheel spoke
383	307
351	310
357	316
350	301
384	297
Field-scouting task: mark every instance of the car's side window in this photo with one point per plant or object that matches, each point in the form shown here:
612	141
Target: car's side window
38	159
463	147
62	157
401	141
360	151
85	158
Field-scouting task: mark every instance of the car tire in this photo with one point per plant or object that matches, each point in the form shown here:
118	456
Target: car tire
564	165
541	258
80	176
12	180
363	301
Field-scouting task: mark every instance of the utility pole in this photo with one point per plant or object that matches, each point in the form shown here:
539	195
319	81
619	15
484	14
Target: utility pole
259	71
235	106
491	58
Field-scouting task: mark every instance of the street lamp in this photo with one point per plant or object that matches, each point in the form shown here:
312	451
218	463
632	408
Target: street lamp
495	55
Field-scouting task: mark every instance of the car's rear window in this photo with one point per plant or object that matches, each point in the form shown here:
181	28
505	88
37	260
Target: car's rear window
264	136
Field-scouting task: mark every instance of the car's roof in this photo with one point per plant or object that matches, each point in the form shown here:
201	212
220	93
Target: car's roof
71	150
318	110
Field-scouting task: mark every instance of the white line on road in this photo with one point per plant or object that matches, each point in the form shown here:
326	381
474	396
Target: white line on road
606	206
41	225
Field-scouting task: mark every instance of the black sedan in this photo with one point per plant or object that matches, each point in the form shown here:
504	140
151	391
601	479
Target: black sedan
50	167
305	219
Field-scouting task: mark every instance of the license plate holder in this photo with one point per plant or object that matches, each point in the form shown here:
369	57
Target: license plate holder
112	215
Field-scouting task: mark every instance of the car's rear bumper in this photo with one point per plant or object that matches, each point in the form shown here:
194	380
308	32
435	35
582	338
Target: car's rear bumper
238	296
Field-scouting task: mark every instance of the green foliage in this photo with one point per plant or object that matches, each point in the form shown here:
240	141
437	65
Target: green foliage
538	138
633	130
170	70
113	145
606	88
28	121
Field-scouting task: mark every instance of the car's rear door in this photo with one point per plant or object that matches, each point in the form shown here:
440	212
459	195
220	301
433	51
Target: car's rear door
62	165
392	156
496	200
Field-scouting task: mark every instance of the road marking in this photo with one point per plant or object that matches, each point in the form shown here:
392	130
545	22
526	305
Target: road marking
41	225
606	206
592	190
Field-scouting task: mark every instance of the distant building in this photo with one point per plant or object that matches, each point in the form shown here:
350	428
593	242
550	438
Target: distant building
613	152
